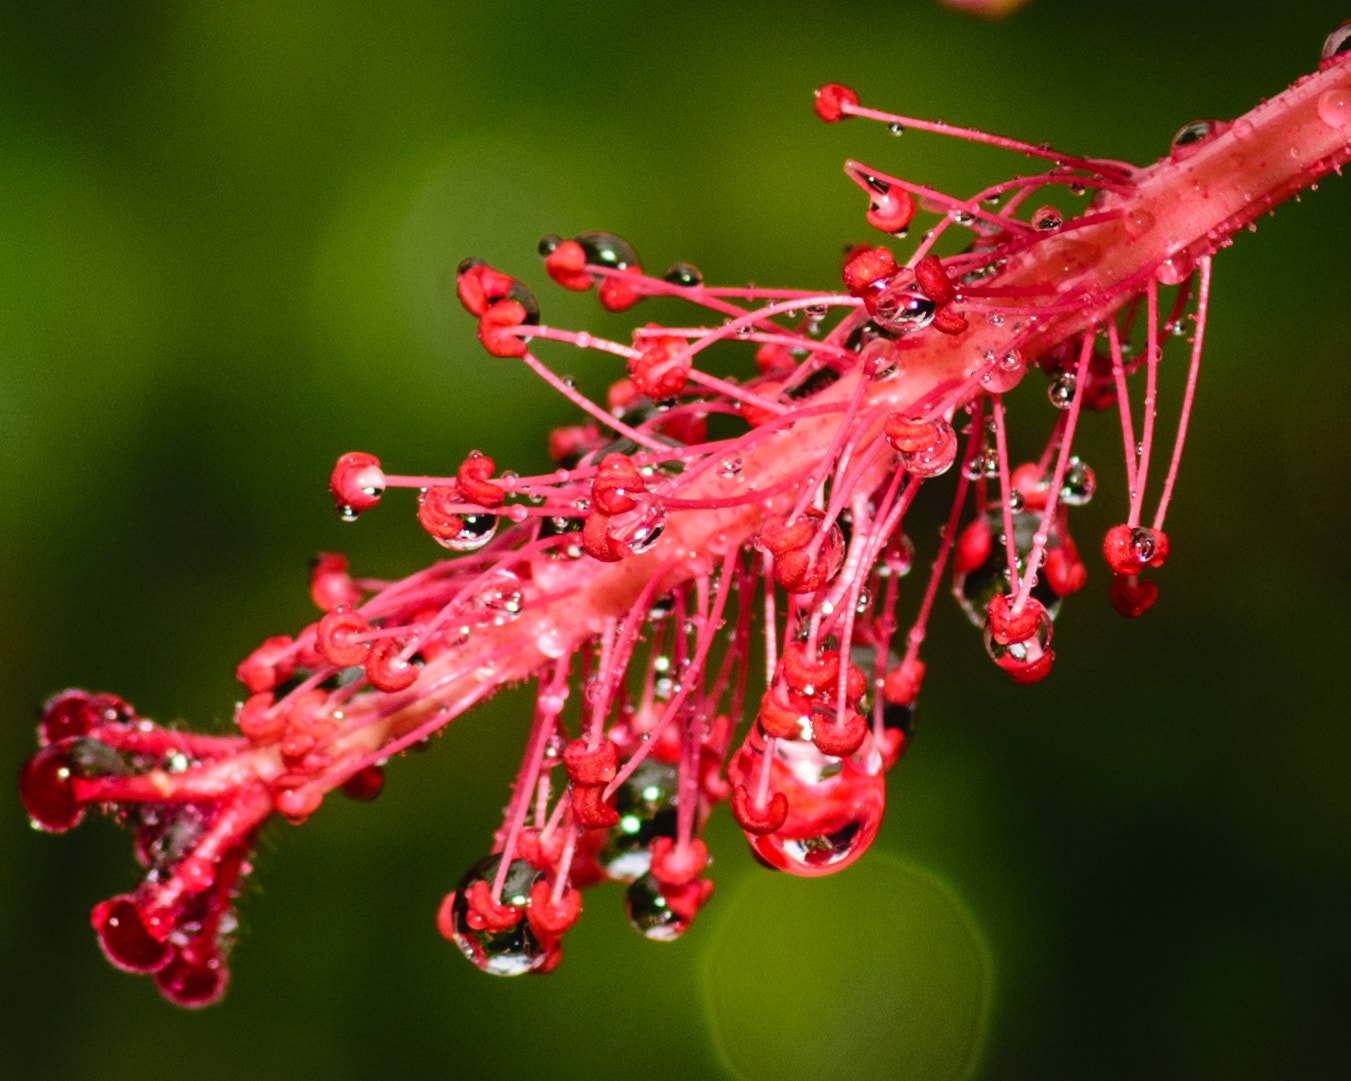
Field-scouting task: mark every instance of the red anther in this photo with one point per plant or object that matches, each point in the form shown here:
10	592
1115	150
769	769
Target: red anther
616	293
838	736
1064	571
1132	596
1007	625
901	685
910	436
949	322
357	482
268	665
780	536
445	917
571	442
688	428
755	819
296	804
855	684
686	901
676	865
539	853
616	484
620	395
479	285
756	415
365	784
867	266
330	584
1027	671
255	721
296	744
773	356
597	541
934	282
46	787
831	100
69	713
496	326
590	809
125	940
973	546
386	670
1129	551
566	265
485	914
193	985
891	210
472	479
548	918
782	720
437	514
338	637
658	371
808	675
591	766
306	712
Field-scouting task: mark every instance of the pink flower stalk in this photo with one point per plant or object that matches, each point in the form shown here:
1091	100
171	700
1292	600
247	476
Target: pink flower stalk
703	535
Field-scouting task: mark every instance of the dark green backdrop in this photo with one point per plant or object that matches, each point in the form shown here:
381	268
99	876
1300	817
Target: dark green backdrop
226	232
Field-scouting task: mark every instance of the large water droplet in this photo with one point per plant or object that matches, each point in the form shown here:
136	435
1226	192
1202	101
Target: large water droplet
649	913
937	457
1061	390
646	805
903	310
1334	108
500	953
641	527
500	595
1078	484
683	274
606	249
1047	218
478	530
977	587
1337	47
1190	138
835	805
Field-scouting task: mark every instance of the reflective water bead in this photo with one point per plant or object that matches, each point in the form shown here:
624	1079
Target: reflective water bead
1337	46
1025	652
730	465
683	274
500	593
937	457
641	527
895	128
1047	218
1061	390
646	805
606	249
902	310
1078	484
649	912
478	530
500	953
835	805
974	588
1190	137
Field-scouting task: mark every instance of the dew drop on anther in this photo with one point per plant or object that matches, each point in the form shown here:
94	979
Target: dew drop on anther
478	530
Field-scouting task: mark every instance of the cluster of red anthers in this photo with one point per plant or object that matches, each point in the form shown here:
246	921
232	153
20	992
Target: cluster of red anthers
699	533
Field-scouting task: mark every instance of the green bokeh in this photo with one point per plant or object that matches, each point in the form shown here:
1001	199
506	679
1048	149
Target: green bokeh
879	972
226	236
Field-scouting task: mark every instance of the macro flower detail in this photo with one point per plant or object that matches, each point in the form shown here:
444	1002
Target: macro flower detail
706	591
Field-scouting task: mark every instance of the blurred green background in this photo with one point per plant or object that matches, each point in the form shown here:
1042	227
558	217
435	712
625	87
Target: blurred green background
227	235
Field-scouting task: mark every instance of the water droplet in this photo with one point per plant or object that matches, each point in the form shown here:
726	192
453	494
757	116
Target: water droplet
730	465
1334	107
1024	652
1061	390
641	527
962	217
646	805
549	244
685	275
880	359
478	530
899	557
500	953
835	805
649	912
606	249
500	594
903	310
1047	218
895	128
1078	484
1190	137
1176	270
1337	47
974	589
1138	223
937	457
